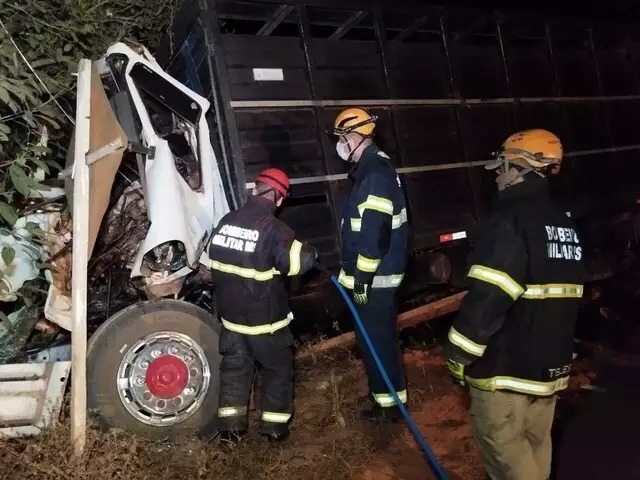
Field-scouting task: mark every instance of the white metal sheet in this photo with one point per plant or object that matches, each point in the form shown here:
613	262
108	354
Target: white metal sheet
268	75
31	396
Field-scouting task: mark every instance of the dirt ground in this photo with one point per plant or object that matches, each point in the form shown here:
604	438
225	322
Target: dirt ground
328	440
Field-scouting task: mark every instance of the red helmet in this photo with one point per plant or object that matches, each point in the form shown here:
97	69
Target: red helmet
275	178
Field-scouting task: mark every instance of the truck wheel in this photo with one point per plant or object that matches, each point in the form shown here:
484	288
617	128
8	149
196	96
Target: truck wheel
152	369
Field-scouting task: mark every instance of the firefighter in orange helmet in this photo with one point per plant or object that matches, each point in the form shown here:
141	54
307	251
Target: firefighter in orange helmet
373	253
512	341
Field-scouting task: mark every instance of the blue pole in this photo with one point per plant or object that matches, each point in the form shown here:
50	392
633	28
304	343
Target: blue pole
430	456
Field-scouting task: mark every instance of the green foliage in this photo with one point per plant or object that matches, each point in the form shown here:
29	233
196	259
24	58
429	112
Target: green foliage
53	35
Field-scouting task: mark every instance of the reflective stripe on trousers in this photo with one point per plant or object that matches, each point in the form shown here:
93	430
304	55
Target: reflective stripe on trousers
257	329
387	400
365	264
275	417
379	281
225	412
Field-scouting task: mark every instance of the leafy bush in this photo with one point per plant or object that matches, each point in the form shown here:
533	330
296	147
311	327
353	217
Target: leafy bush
41	42
37	101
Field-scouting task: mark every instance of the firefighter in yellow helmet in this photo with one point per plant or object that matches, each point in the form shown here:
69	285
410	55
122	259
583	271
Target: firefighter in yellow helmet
512	341
374	252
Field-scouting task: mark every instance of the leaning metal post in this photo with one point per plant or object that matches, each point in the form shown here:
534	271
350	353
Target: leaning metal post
80	260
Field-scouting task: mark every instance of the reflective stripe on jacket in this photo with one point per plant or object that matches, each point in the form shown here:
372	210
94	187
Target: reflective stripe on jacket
515	327
374	224
250	253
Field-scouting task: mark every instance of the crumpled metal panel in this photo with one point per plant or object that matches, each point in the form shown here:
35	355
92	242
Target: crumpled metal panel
31	396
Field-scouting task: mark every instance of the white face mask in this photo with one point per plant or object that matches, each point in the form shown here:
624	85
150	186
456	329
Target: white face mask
342	148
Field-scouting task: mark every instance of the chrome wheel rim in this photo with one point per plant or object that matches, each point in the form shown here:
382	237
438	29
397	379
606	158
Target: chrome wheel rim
163	378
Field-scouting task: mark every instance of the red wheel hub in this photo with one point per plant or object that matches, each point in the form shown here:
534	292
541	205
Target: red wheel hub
167	377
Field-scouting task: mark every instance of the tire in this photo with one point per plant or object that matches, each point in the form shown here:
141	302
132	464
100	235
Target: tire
115	344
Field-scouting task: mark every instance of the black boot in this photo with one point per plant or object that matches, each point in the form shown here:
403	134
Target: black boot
378	414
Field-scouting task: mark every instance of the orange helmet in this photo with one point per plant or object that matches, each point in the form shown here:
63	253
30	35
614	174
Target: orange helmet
533	149
275	178
355	120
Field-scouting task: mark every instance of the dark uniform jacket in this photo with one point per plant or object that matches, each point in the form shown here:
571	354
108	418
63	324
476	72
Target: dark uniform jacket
516	324
374	224
250	252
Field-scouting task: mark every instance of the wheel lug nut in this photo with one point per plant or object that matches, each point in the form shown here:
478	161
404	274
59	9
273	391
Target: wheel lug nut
156	353
144	364
139	381
173	350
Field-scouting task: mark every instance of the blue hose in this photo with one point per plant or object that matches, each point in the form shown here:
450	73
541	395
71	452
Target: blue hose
431	458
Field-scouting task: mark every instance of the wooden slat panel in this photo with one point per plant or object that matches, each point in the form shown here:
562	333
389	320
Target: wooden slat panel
417	70
530	70
585	127
440	202
576	72
617	73
243	53
624	119
244	87
484	128
261	51
351	54
348	69
281	138
479	71
429	135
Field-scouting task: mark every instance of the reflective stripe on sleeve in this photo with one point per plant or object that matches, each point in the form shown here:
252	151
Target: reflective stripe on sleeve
553	290
257	329
275	417
294	258
500	279
387	400
379	204
251	273
397	221
520	385
224	412
365	264
469	346
379	281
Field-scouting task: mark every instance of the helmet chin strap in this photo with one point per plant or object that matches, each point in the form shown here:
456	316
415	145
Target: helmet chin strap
350	157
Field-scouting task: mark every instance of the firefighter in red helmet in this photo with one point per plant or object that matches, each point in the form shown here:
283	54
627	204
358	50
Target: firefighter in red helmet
250	254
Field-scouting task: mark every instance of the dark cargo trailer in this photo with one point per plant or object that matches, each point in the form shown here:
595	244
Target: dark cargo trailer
449	85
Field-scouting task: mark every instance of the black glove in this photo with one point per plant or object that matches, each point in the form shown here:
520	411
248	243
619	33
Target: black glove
361	293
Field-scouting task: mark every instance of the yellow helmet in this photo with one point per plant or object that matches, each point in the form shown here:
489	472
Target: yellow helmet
355	120
533	149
